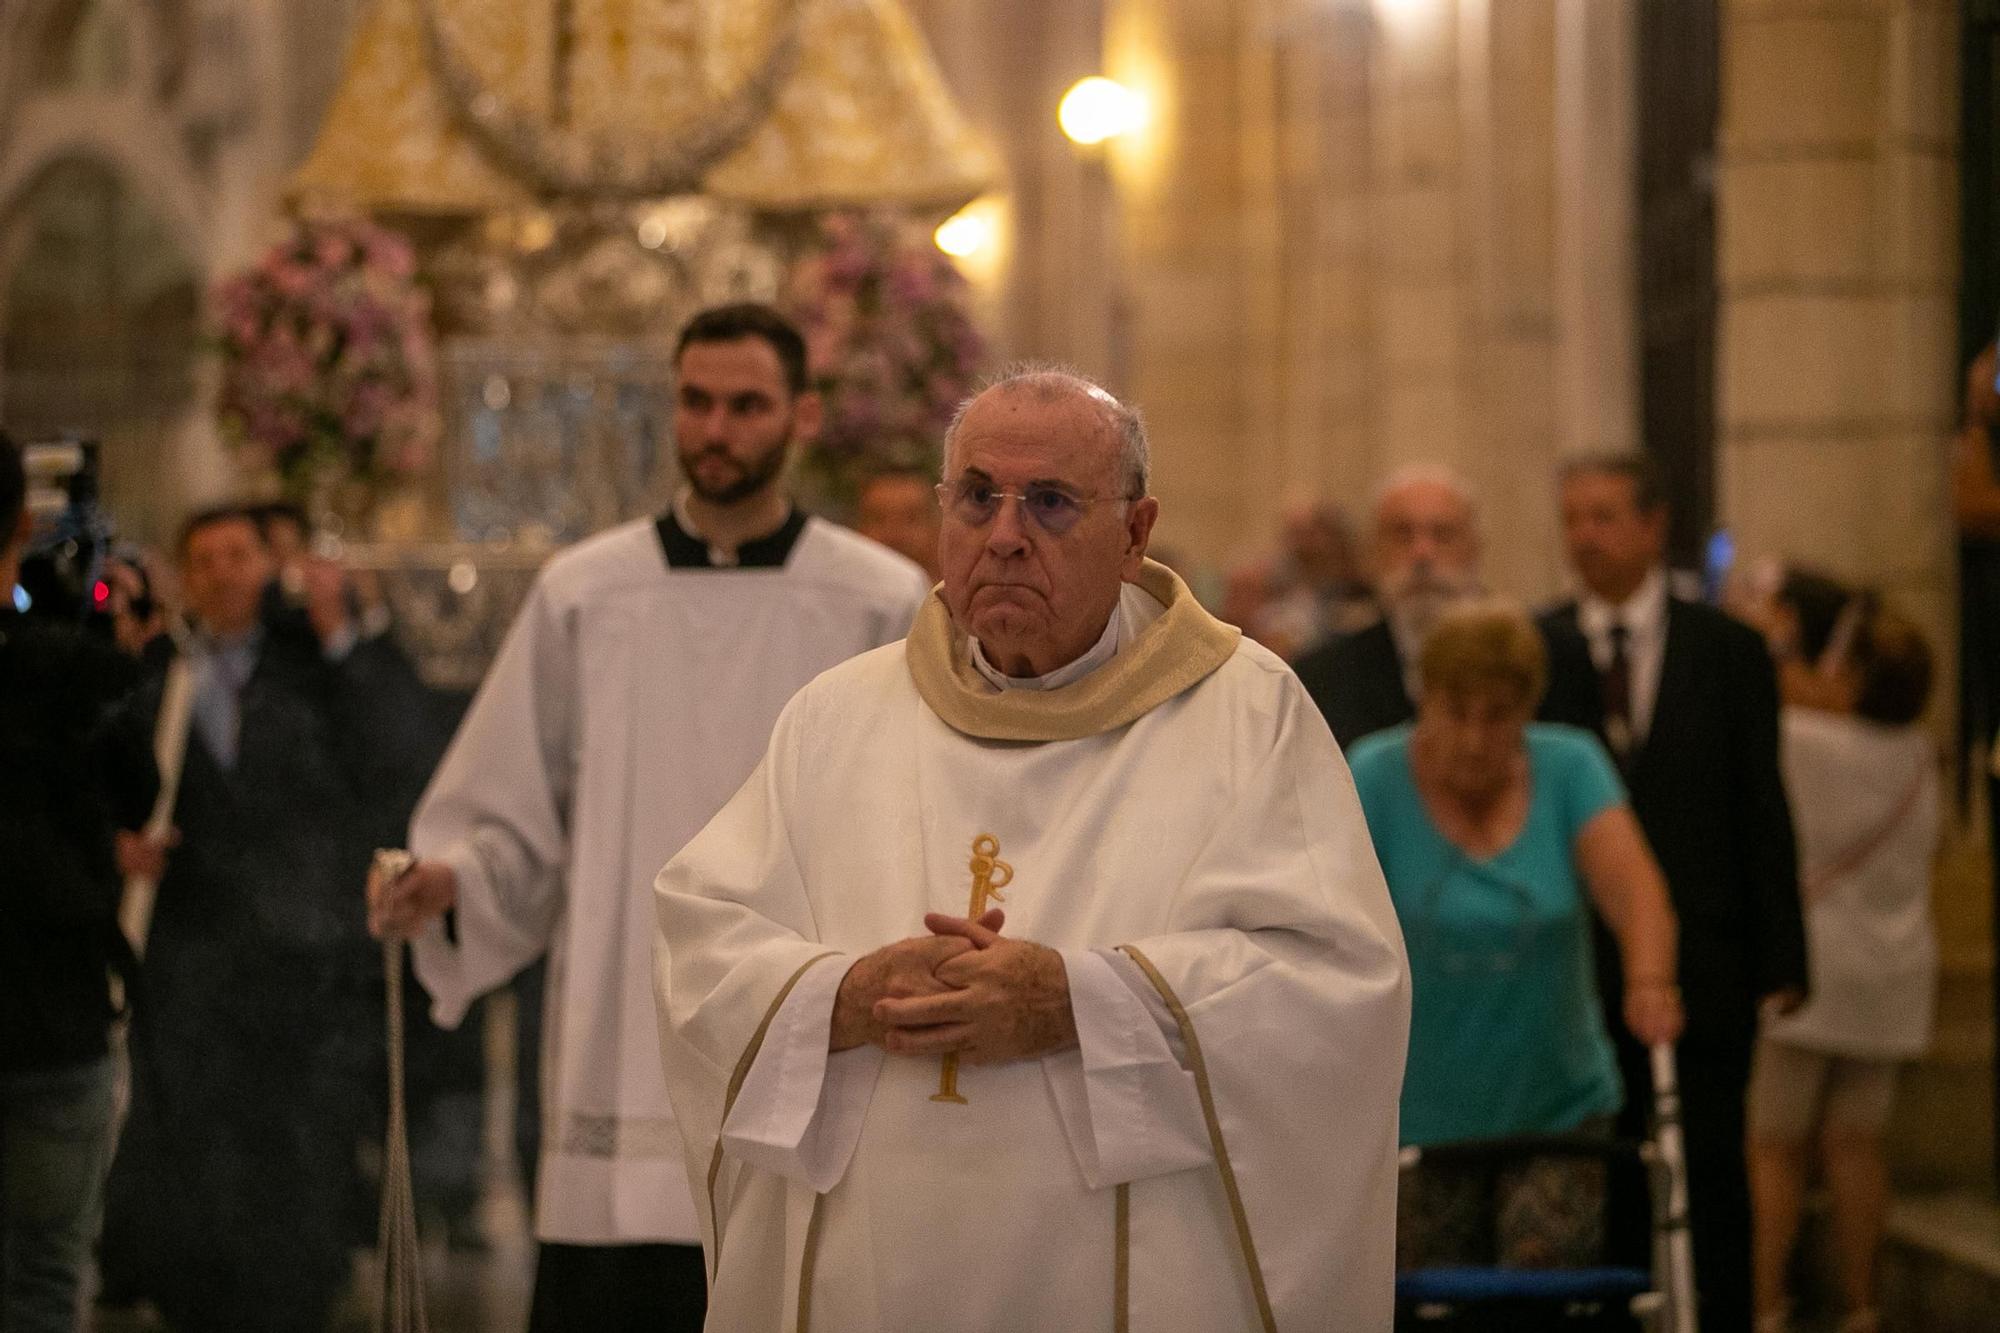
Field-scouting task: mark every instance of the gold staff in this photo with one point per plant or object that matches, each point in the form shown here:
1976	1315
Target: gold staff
989	876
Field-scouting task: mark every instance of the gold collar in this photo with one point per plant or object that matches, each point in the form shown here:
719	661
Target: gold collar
1170	656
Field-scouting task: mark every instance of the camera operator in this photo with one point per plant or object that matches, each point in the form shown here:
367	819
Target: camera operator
74	770
138	619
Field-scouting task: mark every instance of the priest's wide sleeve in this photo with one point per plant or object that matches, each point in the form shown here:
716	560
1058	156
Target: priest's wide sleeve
496	811
1284	964
736	938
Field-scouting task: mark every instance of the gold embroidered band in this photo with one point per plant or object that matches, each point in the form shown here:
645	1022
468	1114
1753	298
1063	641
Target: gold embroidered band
1121	1269
1199	1068
736	1078
807	1262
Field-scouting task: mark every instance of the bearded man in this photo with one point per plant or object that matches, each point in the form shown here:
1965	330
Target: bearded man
633	695
1423	545
1157	1087
1424	549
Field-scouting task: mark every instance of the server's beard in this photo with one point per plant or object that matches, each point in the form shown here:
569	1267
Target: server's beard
750	476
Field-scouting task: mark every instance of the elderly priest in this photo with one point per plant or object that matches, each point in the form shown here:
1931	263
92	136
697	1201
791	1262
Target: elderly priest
1042	976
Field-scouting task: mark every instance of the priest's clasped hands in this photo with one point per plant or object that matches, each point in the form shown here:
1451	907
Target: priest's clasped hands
963	988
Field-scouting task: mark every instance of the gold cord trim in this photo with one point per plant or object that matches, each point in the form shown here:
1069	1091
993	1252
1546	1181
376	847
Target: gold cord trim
736	1078
806	1264
1121	1277
1199	1068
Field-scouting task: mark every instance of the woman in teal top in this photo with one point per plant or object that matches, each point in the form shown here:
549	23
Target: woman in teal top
1498	837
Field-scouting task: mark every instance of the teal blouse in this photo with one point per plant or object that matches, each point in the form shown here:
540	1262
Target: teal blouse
1506	1036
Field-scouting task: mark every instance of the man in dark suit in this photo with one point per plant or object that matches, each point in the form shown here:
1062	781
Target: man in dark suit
258	1009
1688	705
1424	552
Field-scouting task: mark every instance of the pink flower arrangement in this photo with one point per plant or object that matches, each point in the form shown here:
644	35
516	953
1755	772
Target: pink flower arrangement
329	361
891	341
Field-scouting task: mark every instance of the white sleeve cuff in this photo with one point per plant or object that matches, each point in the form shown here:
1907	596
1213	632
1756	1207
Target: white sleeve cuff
439	964
800	1110
1130	1110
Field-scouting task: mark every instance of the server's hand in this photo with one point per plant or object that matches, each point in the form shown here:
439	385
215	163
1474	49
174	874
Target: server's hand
400	906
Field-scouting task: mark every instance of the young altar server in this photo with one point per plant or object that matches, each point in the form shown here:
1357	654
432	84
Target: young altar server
1043	975
634	694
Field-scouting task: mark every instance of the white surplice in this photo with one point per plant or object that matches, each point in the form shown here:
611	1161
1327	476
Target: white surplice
628	702
1239	1058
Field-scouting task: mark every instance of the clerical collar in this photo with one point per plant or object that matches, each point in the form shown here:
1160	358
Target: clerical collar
1100	652
685	549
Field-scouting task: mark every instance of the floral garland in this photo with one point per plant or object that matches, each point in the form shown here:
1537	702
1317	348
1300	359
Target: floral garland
329	360
891	342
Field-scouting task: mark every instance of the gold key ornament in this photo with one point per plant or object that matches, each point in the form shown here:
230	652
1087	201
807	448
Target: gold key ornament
989	875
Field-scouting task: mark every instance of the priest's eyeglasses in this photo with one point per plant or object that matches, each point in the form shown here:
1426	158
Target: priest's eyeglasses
975	502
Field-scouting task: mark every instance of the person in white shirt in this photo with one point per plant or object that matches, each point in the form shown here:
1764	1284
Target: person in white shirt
635	692
1043	976
1863	776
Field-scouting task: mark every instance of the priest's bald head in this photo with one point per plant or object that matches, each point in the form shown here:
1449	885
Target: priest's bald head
1046	516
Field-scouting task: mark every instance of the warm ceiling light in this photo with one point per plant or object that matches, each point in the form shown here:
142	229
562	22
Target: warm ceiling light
964	233
1097	109
1405	11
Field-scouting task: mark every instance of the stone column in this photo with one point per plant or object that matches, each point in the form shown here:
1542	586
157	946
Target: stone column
1838	385
1838	270
1597	366
1181	199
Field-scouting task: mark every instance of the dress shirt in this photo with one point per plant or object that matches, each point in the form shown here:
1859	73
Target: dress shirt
221	667
1644	616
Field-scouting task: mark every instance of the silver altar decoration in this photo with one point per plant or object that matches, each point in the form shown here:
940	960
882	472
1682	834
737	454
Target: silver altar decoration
581	177
558	401
450	603
553	443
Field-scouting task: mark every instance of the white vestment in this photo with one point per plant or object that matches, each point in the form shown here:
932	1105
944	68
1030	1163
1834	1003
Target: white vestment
629	700
1219	1151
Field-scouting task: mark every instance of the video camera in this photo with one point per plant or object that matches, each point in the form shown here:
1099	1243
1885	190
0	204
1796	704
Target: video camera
62	571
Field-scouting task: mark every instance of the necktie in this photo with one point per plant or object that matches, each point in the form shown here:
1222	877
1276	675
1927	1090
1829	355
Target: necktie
1617	683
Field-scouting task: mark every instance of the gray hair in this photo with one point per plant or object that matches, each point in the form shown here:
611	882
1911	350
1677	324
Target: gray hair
1050	382
1434	474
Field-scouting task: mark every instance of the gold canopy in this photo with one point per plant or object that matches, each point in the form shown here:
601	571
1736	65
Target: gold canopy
473	106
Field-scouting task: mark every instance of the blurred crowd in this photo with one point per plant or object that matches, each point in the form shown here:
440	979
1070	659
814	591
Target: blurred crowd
1631	820
1627	821
202	749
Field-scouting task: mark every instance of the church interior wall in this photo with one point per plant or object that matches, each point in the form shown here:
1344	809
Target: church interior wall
1837	259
